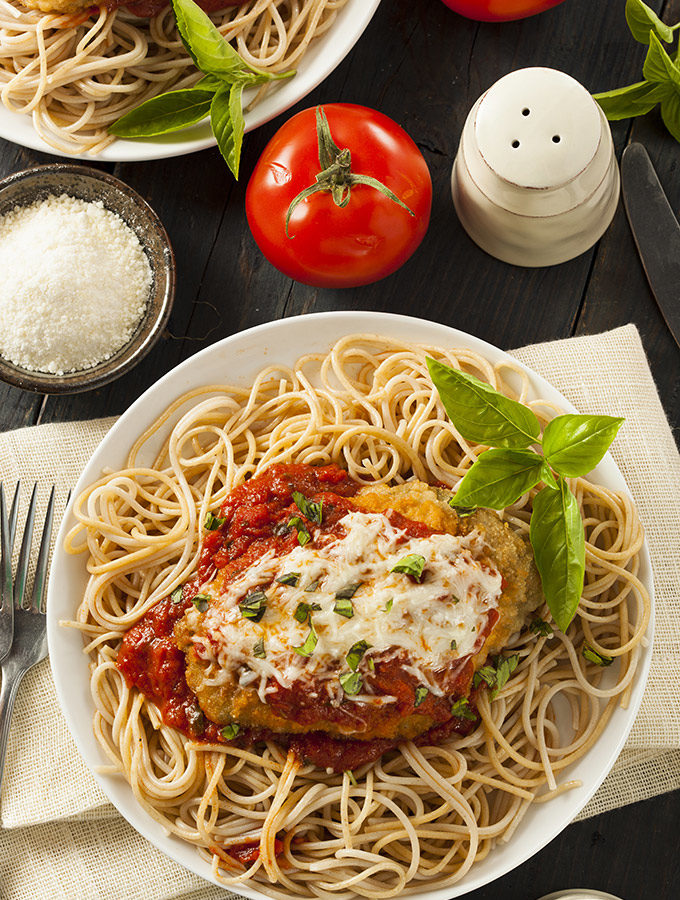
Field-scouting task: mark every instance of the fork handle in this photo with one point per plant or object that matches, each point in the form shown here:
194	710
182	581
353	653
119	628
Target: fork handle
11	679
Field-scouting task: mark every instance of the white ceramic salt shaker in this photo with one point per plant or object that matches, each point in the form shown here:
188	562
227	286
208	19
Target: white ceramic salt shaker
535	181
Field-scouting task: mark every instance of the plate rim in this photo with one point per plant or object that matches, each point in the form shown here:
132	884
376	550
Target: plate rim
354	322
18	128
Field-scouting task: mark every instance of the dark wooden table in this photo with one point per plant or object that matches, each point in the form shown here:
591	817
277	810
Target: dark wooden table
425	66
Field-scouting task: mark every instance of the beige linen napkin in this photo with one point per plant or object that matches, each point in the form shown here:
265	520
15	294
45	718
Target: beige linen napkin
60	837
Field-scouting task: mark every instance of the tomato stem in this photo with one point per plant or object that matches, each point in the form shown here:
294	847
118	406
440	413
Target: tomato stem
336	176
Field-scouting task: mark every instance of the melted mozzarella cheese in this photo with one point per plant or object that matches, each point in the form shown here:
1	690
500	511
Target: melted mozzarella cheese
391	611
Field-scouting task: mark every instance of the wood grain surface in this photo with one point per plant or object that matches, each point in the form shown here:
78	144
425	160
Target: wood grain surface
425	66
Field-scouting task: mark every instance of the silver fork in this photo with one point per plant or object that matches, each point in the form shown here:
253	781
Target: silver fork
23	633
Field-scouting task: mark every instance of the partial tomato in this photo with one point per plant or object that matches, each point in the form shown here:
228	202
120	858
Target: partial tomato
500	10
340	197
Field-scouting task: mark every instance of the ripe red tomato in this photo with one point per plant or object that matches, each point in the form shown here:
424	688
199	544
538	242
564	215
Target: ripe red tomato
336	241
500	10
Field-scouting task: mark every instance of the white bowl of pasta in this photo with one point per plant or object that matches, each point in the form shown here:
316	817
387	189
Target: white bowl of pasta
413	822
67	106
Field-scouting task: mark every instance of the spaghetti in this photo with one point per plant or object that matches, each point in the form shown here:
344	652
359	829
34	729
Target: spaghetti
419	816
76	74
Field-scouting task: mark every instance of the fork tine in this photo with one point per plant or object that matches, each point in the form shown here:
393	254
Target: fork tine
13	516
25	552
6	598
43	556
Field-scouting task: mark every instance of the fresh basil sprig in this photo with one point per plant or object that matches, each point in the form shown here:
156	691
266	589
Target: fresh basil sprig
572	446
660	71
218	94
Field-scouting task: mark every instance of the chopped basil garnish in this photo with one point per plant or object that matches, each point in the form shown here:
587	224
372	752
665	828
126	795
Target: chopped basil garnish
259	651
344	608
454	645
463	511
310	509
290	578
230	731
594	657
356	653
412	565
303	610
310	642
348	591
303	536
312	586
371	664
421	694
351	682
461	709
254	605
201	602
496	676
487	674
541	628
212	523
176	596
388	606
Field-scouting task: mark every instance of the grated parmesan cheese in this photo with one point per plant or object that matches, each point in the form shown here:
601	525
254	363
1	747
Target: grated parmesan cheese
75	284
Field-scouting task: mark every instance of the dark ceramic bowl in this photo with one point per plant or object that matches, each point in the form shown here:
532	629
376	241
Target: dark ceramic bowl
26	187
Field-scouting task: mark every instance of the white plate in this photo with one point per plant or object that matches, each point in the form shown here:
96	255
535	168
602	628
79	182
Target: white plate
237	359
318	62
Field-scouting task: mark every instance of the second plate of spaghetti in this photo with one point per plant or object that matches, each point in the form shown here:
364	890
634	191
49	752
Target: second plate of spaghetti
350	392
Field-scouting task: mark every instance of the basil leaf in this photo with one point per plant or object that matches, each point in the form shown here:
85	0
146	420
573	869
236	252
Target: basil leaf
348	591
290	578
303	610
670	113
454	645
499	477
209	50
254	605
412	565
573	445
388	606
356	653
351	682
556	533
176	596
632	100
312	586
487	674
505	667
310	509
201	602
230	731
593	656
212	523
421	694
228	124
461	709
310	642
641	20
659	67
371	664
303	536
259	651
479	412
344	608
540	628
164	113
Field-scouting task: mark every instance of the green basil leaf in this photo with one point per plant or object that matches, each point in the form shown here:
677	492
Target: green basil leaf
254	605
176	596
356	653
454	645
421	694
540	628
310	642
212	523
461	709
230	731
303	536
505	667
558	540
344	608
166	112
641	20
348	591
310	509
301	613
659	67
670	113
487	674
593	656
499	477
228	124
388	606
259	651
201	602
351	682
371	664
289	578
574	444
479	412
312	586
412	565
209	50
632	100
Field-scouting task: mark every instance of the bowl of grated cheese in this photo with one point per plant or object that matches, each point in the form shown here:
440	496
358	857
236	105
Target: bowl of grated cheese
88	278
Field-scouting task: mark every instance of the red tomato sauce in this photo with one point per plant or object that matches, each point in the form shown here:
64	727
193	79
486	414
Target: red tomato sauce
256	518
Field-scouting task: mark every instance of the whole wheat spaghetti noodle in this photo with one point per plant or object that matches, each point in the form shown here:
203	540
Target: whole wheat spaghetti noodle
76	74
420	816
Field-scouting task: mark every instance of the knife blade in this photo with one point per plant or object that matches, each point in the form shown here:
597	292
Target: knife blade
656	232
